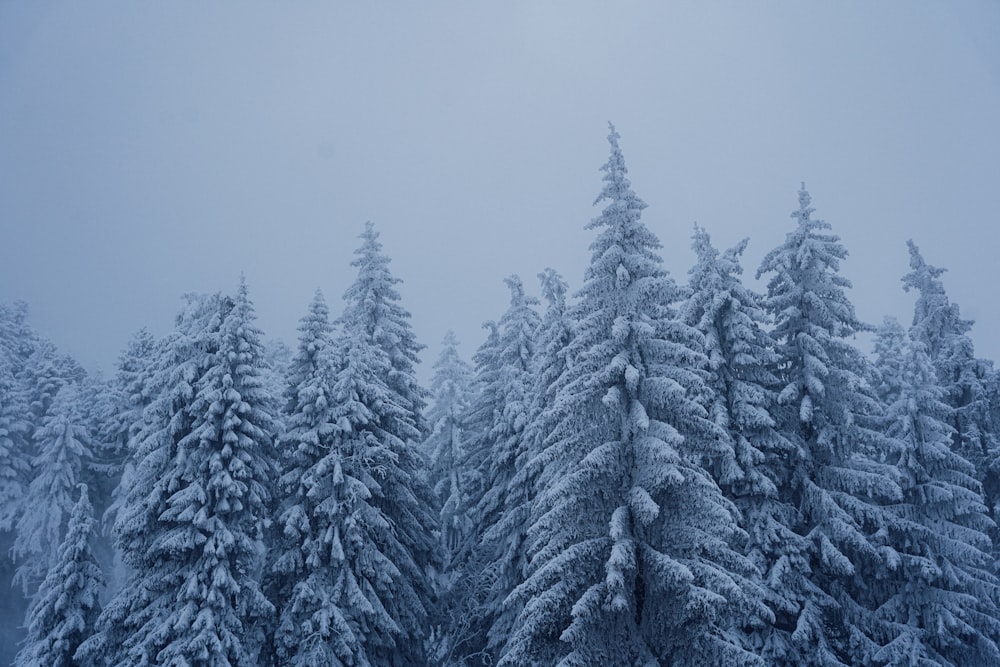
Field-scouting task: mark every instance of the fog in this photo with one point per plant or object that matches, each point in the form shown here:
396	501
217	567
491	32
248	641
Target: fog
151	149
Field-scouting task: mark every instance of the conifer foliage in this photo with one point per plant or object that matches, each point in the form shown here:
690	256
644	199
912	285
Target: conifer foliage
318	584
632	519
192	527
65	609
837	482
633	474
64	449
742	366
375	393
939	600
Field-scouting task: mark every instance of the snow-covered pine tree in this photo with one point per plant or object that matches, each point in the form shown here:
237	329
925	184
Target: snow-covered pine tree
64	451
377	341
66	606
938	604
373	305
17	341
121	417
630	557
742	363
836	483
964	378
501	509
465	622
14	462
445	448
549	374
384	582
190	529
318	579
43	374
451	387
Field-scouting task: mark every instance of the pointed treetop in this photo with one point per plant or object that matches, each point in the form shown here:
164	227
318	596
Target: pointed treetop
516	287
802	215
553	287
318	307
371	245
617	186
919	266
701	243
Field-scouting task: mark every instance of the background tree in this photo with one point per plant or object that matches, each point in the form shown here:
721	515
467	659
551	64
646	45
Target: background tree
65	609
837	483
939	601
742	364
64	451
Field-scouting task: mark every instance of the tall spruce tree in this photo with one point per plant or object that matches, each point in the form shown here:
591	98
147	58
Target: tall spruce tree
446	444
378	389
742	364
373	306
501	510
631	563
65	609
938	603
318	579
191	528
965	379
837	483
14	460
64	451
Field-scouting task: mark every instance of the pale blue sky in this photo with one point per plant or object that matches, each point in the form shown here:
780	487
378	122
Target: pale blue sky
150	149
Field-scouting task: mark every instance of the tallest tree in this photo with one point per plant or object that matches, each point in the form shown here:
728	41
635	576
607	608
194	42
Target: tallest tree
629	563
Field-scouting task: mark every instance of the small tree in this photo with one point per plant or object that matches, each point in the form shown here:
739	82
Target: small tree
66	606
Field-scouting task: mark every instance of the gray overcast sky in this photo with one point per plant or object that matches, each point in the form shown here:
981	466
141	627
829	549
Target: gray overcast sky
148	149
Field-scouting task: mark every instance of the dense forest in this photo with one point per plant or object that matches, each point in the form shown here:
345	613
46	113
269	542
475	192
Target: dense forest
638	471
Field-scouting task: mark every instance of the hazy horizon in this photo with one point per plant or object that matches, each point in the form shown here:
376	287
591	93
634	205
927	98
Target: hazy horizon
152	150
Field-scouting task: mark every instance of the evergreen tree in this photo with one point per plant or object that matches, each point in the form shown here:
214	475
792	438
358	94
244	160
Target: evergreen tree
17	341
121	414
372	306
65	609
191	528
629	547
14	463
377	388
836	482
446	445
467	617
319	577
938	602
964	378
742	364
501	510
64	450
